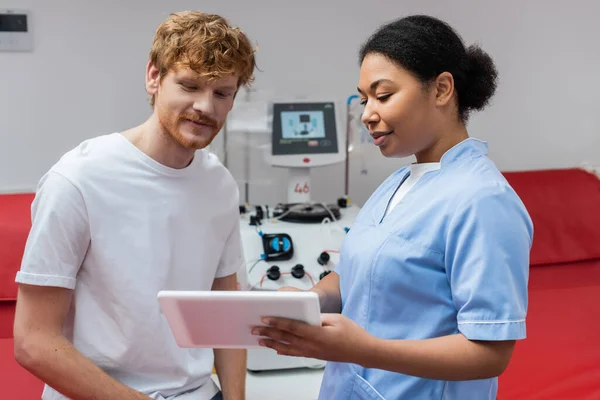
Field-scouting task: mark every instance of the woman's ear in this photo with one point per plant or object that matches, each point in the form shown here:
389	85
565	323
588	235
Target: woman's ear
444	87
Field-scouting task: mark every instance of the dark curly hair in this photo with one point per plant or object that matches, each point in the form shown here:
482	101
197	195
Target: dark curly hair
427	47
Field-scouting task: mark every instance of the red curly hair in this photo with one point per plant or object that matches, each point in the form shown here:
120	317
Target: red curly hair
206	43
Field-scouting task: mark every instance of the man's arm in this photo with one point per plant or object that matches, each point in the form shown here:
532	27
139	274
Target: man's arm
41	348
230	363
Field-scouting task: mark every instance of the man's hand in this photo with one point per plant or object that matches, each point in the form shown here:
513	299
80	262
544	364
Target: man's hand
41	348
338	339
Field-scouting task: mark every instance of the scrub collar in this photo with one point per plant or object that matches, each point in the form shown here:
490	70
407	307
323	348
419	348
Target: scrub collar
468	147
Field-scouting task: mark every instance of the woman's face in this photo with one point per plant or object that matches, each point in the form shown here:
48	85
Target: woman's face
398	110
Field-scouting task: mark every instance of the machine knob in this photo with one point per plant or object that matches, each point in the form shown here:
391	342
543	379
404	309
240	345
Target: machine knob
273	273
323	258
298	271
259	213
342	202
324	274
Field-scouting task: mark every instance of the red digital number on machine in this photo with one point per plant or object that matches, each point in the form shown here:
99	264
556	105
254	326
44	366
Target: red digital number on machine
299	188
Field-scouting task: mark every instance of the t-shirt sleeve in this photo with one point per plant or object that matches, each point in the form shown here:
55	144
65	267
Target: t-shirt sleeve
487	262
59	235
232	258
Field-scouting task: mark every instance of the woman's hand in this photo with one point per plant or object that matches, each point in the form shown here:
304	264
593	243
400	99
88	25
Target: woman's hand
337	339
289	289
328	290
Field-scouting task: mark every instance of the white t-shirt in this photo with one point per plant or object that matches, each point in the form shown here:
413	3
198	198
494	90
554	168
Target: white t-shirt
117	227
416	172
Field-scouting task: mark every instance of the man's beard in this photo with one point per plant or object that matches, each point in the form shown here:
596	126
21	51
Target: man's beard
171	125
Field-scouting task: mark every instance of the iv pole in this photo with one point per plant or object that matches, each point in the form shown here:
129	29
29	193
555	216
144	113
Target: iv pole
347	169
246	154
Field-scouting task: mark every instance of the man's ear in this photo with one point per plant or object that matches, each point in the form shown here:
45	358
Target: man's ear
444	88
152	79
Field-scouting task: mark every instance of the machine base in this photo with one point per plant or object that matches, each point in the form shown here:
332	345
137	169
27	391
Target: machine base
268	360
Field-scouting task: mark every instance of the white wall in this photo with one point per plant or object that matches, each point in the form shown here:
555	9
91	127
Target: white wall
85	76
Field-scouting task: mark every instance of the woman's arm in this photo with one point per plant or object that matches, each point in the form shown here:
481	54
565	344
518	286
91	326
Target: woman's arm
448	358
328	290
340	339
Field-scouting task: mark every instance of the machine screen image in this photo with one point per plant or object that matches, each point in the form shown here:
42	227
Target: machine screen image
302	125
304	128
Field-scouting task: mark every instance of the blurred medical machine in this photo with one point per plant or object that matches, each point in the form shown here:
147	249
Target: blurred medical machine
297	242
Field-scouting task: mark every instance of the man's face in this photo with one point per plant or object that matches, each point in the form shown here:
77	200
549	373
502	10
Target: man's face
190	108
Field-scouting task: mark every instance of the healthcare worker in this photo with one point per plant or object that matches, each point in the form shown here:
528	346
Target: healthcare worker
432	278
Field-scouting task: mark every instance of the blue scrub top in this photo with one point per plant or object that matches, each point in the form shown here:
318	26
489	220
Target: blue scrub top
452	257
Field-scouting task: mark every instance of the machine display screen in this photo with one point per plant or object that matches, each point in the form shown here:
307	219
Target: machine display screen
13	23
304	128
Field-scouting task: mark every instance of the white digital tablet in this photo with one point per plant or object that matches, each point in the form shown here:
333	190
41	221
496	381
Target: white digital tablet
224	319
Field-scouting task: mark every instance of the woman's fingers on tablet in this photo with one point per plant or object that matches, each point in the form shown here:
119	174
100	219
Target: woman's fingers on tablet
289	289
286	336
296	328
276	334
283	349
284	343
